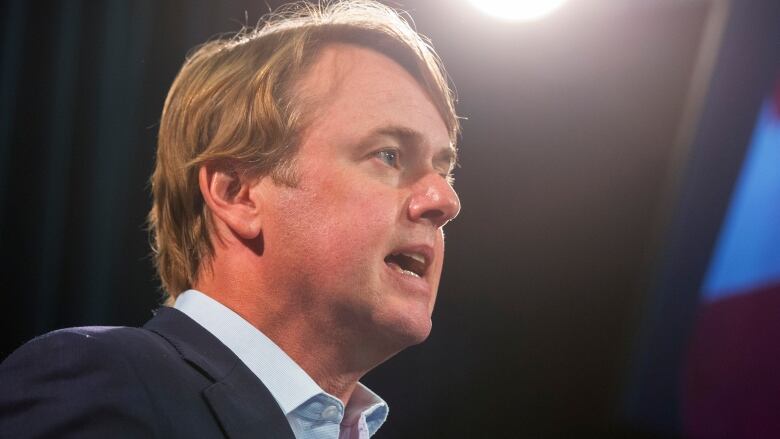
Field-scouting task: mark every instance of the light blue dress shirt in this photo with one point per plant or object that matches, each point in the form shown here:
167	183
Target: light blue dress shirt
311	412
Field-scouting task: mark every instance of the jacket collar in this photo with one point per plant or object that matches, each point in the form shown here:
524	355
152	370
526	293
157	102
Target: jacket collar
242	404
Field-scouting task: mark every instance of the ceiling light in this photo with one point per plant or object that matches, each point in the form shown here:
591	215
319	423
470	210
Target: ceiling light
517	10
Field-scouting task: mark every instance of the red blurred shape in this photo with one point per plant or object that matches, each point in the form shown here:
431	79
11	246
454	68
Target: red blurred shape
731	379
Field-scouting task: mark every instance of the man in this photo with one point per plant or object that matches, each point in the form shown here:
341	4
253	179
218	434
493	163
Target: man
301	186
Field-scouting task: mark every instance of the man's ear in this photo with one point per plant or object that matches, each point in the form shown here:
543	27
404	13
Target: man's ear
230	198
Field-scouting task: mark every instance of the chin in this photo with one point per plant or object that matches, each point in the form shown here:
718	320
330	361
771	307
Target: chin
406	329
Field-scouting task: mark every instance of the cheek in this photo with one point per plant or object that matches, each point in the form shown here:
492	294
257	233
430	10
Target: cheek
340	223
359	229
354	207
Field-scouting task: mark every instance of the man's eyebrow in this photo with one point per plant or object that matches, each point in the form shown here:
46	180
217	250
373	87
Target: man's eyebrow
448	155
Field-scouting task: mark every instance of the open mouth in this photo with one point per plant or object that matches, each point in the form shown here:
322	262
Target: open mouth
411	264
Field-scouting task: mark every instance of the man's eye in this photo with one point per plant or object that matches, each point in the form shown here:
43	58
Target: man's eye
389	156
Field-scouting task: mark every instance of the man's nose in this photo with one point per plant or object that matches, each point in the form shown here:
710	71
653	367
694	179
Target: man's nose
433	200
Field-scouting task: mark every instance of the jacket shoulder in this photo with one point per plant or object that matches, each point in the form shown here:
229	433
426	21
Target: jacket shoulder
77	381
88	338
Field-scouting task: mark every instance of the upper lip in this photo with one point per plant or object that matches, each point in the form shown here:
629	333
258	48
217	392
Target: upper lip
422	254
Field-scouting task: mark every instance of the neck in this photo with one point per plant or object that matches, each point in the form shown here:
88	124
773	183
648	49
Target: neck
332	356
325	356
333	353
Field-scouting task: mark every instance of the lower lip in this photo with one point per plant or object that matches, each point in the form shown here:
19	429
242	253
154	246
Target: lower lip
417	285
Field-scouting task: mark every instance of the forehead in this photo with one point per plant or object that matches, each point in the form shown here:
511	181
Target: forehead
359	89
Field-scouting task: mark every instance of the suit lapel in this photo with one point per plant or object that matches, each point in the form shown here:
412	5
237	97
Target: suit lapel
234	402
241	403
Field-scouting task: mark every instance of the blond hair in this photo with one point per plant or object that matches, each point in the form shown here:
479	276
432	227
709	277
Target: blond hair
232	104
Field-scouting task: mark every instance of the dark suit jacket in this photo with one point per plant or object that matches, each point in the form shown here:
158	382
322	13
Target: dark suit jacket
169	379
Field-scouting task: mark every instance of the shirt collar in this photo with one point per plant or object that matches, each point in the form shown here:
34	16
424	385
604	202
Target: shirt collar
290	385
364	401
286	381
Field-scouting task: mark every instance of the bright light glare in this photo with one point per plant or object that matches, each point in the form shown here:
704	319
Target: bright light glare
521	10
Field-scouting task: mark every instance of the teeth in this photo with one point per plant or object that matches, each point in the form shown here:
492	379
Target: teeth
416	257
412	264
410	273
406	272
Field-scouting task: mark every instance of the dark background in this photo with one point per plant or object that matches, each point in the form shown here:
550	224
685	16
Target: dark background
571	160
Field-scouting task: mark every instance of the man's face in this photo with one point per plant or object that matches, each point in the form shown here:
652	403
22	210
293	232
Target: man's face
358	242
